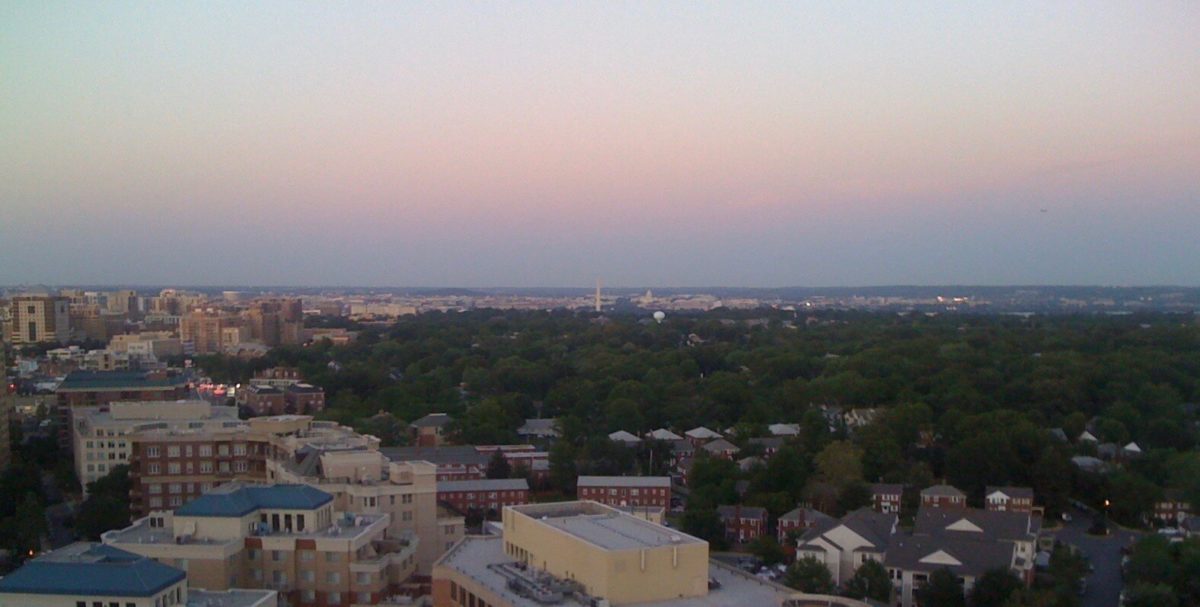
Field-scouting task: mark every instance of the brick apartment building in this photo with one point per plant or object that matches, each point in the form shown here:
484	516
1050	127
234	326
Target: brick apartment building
635	491
483	494
169	469
261	400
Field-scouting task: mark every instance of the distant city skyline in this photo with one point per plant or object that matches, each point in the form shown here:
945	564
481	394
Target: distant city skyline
542	144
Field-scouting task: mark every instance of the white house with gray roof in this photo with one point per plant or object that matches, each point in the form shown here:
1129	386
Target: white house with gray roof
843	545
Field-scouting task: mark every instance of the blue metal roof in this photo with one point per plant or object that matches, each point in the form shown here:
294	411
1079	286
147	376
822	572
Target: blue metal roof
92	570
244	500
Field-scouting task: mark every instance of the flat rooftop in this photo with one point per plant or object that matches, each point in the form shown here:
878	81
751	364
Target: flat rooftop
605	527
482	558
140	532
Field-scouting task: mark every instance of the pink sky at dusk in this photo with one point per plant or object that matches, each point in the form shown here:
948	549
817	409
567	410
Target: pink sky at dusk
525	144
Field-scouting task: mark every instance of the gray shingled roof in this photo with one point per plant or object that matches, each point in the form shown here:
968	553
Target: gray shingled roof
623	481
433	420
942	491
874	527
745	512
1010	526
920	553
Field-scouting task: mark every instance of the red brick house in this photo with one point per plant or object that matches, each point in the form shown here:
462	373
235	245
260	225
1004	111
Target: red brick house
886	498
1008	499
743	523
643	491
943	496
795	523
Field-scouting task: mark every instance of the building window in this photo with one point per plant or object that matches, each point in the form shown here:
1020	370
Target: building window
173	468
152	452
364	578
175	488
241	466
334	598
223	467
239	449
222	450
333	577
152	468
176	501
308	576
154	488
173	451
331	557
206	467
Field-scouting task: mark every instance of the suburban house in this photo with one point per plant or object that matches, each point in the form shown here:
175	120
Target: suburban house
720	448
663	434
843	545
429	431
1008	499
770	444
943	496
886	497
539	430
621	436
743	523
912	559
700	434
796	522
1172	509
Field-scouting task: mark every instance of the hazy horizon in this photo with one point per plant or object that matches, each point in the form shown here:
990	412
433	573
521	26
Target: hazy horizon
538	144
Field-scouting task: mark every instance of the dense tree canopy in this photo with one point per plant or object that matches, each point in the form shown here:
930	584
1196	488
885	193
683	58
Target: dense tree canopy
968	398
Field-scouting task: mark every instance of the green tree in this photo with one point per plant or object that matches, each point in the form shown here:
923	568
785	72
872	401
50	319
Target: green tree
498	466
994	588
1151	595
943	589
767	548
870	581
107	505
705	523
809	575
840	464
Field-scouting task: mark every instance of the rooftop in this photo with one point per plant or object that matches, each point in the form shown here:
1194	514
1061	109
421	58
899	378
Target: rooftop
463	455
235	499
484	484
345	526
433	420
604	527
119	380
623	481
482	559
91	570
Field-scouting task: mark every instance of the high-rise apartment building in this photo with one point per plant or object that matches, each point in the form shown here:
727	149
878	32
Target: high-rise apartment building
102	434
40	318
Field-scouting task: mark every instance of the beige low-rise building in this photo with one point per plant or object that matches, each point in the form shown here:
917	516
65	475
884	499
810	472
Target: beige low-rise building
289	538
586	554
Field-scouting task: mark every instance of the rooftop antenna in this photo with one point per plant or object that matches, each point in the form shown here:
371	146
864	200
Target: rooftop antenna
597	295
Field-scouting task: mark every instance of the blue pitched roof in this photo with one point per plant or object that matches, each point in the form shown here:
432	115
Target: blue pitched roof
95	570
244	500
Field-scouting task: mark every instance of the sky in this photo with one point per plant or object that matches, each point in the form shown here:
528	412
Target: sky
643	143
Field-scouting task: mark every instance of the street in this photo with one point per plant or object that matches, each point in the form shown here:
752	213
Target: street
1104	553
